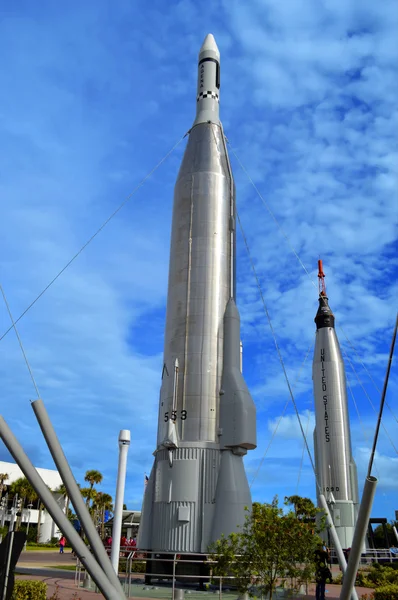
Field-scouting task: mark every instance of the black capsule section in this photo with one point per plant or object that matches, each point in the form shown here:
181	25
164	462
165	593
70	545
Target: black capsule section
324	316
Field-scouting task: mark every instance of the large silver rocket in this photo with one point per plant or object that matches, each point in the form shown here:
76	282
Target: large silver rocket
335	467
198	488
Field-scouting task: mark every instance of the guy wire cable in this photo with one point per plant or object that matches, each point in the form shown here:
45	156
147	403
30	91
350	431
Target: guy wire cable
365	435
370	402
20	341
278	350
279	420
383	397
302	454
137	187
367	371
298	258
274	218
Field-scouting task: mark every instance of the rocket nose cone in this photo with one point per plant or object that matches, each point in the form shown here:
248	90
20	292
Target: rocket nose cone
324	316
209	44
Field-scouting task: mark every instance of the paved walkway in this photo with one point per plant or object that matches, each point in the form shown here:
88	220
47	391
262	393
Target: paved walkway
67	589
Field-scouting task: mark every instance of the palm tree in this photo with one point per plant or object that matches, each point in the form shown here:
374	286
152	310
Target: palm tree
90	495
3	478
102	503
92	477
25	491
61	489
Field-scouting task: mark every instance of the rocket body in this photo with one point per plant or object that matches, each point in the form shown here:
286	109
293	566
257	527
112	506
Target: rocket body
198	488
335	466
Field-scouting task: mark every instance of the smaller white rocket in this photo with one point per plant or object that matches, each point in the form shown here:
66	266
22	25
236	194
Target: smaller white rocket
335	467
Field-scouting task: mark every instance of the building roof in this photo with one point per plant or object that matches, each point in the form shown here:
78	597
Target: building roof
130	517
50	477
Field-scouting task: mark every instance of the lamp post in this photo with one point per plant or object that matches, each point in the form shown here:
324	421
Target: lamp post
16	505
4	508
124	443
30	506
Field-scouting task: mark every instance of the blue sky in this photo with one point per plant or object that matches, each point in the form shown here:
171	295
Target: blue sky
94	94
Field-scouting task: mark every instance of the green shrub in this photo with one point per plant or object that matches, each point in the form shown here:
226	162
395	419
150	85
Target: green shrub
137	566
29	590
386	592
380	575
32	533
373	577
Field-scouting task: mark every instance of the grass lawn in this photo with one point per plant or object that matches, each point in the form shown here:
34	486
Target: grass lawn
40	549
62	567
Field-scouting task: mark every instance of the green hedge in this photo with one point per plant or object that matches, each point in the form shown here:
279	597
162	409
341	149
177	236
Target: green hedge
386	592
137	566
29	590
373	576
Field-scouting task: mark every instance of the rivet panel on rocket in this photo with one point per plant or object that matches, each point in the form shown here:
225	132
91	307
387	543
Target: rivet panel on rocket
335	466
198	487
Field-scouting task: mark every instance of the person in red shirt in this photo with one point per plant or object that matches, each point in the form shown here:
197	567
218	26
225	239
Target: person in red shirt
62	543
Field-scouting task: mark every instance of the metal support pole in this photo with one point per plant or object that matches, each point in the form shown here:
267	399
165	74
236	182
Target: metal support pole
174	578
4	506
27	527
73	492
14	511
333	534
98	575
365	509
7	571
124	443
336	541
395	532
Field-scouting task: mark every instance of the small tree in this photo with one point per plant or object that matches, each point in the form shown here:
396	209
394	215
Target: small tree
223	556
304	508
272	547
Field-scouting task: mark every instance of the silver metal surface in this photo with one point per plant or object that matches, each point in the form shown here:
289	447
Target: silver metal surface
199	288
208	89
335	466
332	420
198	488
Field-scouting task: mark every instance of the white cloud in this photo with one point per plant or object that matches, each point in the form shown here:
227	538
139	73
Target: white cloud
308	101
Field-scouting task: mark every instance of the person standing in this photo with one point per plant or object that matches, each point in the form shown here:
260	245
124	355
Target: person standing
322	572
62	543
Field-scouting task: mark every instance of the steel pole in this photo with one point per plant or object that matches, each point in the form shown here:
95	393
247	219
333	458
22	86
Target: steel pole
27	527
361	527
395	532
73	492
124	444
16	450
336	541
8	563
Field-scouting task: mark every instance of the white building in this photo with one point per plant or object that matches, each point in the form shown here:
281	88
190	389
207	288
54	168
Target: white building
48	529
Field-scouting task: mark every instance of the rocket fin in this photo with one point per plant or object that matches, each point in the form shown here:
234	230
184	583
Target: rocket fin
237	409
145	529
232	495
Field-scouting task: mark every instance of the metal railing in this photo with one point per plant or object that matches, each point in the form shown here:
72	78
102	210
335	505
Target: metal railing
381	555
127	573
